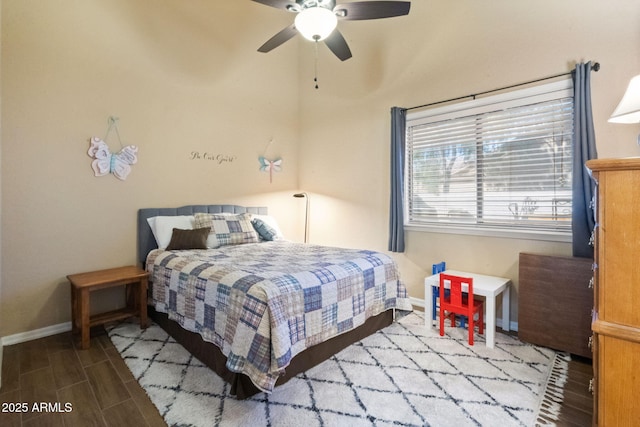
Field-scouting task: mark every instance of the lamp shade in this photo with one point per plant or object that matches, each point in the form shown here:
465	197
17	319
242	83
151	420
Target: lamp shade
316	23
628	110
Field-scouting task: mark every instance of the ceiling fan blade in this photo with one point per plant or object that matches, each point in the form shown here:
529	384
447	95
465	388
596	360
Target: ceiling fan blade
279	4
338	45
372	10
278	39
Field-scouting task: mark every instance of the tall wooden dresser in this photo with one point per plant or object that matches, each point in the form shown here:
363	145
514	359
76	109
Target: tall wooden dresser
616	315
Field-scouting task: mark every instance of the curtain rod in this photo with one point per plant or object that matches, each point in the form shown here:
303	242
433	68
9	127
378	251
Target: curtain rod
594	67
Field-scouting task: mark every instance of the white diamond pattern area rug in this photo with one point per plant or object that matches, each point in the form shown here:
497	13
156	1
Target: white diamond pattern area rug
403	375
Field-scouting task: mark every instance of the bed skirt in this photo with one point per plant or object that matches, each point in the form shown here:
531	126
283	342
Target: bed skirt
241	386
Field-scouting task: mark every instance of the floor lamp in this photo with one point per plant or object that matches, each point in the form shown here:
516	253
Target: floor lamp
306	214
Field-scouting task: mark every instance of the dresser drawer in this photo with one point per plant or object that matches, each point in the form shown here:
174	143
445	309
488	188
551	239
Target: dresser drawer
617	247
618	381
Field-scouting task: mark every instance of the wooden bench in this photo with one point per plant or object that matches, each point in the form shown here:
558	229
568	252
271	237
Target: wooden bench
82	284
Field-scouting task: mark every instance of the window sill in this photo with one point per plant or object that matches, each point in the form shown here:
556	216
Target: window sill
493	232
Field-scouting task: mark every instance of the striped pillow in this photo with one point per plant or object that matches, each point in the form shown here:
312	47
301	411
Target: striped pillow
265	231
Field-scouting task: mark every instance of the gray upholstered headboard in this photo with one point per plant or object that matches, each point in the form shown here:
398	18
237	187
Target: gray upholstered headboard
146	241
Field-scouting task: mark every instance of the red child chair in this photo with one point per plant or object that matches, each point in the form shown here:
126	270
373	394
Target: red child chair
459	302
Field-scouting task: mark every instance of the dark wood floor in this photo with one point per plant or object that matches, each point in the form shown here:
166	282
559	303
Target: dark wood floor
102	392
95	385
577	408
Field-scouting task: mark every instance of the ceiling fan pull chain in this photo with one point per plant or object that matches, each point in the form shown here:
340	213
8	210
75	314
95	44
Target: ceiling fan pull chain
315	79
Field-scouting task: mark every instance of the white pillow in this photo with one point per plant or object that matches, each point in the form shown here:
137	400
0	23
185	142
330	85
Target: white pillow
162	227
271	222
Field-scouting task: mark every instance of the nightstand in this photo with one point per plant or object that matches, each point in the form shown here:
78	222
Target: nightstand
133	278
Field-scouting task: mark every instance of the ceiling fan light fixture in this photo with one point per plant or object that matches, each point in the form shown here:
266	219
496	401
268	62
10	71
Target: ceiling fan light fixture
316	23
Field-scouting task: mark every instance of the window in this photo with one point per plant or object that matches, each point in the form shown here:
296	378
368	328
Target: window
500	165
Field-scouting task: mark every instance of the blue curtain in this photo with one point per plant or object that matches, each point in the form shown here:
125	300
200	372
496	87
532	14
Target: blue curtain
396	209
584	148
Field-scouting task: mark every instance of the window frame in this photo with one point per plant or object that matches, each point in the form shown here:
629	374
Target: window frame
539	93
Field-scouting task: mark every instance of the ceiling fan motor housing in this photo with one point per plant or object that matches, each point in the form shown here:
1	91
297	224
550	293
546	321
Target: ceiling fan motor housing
306	4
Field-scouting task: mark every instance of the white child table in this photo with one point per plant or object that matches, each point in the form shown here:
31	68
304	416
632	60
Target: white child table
487	286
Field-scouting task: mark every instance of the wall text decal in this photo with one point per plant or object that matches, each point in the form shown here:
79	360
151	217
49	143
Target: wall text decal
219	159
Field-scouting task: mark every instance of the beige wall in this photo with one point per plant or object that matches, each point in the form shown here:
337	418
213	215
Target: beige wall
185	76
1	346
445	49
182	77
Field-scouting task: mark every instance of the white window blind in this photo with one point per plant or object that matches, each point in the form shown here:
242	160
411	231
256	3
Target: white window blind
503	162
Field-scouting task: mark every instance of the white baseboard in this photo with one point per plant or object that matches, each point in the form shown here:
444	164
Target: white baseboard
35	334
65	327
513	326
417	302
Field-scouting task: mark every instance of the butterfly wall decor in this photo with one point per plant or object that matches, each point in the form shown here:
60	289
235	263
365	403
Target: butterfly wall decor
118	164
270	166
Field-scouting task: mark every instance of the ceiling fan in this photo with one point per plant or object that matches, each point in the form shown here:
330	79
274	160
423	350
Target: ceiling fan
316	20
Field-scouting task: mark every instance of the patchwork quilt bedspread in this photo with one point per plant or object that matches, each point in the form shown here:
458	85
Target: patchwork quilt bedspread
263	303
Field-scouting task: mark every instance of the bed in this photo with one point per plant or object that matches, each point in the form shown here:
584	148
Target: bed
254	307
